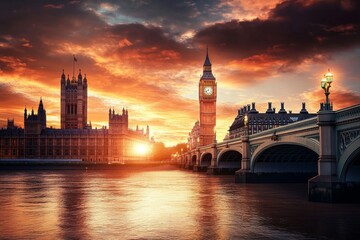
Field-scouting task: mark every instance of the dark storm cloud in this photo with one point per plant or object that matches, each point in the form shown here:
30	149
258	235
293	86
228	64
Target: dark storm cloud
33	32
294	31
174	16
38	20
148	44
142	36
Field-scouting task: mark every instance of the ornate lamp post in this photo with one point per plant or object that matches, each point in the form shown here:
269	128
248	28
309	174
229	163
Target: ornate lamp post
326	84
326	186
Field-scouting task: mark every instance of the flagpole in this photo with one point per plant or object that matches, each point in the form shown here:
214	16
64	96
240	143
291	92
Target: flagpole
73	66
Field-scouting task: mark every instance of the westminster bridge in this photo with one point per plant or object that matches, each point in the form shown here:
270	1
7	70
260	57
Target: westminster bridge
323	149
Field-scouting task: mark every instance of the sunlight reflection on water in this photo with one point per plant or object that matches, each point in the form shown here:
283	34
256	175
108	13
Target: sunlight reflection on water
162	204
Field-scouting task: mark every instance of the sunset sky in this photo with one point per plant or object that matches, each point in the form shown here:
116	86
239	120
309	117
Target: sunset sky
147	56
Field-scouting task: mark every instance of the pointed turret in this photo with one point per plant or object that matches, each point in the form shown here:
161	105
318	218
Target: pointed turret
63	81
41	106
207	62
80	78
207	72
42	114
25	114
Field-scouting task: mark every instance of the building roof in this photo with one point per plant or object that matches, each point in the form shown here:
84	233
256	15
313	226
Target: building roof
207	59
208	75
11	132
268	118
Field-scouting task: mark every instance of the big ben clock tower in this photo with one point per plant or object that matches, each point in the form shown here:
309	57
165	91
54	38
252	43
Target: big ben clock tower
207	99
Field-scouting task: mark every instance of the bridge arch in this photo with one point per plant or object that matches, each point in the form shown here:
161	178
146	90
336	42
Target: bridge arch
229	158
349	163
292	154
205	159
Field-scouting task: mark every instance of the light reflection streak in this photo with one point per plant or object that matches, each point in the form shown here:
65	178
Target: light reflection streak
161	204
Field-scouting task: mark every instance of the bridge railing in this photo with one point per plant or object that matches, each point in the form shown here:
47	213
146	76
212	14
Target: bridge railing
348	114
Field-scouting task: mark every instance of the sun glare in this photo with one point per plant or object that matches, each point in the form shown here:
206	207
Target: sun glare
141	148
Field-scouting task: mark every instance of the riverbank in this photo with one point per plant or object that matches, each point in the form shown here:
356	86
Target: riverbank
81	165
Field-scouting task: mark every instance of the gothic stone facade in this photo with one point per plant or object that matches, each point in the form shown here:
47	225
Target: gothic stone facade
73	102
76	139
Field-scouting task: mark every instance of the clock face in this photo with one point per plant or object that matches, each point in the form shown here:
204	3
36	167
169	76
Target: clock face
208	90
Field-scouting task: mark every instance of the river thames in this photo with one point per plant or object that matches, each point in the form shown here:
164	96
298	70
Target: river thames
163	203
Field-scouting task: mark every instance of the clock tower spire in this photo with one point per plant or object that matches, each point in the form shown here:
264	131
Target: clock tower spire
207	100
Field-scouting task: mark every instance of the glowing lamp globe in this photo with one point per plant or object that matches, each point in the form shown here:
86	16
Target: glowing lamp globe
326	82
323	83
329	77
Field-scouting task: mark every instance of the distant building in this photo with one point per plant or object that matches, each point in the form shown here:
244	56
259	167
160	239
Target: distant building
34	123
76	139
194	136
258	122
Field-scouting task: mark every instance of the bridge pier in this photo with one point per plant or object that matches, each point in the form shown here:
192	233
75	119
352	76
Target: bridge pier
244	175
197	167
326	186
213	168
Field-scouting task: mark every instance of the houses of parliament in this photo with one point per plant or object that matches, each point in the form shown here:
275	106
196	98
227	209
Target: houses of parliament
76	139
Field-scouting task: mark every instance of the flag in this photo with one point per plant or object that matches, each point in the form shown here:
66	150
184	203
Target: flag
75	59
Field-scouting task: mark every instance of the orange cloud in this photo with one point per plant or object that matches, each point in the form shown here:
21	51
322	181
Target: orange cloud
248	9
152	67
341	98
